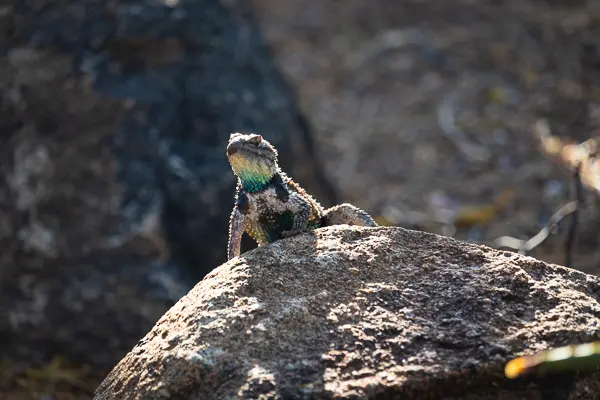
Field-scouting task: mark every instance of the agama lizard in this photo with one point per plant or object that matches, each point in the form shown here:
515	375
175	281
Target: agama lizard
268	204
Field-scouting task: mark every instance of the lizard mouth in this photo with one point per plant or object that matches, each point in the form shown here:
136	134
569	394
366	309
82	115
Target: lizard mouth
250	146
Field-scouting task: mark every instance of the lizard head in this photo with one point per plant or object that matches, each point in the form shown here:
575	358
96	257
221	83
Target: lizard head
252	158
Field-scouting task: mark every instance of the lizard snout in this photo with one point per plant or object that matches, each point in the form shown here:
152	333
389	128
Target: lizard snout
234	146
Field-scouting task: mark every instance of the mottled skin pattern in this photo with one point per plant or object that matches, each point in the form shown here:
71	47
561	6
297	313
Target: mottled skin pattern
268	204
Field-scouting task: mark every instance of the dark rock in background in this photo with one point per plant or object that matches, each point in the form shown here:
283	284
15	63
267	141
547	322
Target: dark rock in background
115	191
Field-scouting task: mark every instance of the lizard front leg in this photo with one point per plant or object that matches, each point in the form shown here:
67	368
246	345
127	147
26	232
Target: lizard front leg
237	227
301	221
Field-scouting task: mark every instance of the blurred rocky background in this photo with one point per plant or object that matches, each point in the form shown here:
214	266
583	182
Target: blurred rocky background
115	191
423	110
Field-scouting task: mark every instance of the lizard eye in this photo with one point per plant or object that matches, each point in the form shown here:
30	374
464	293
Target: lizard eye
255	139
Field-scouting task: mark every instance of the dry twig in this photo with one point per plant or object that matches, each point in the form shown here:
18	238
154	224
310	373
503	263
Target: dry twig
527	245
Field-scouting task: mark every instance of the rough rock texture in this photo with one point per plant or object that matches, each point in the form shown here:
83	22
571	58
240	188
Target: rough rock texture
375	313
115	190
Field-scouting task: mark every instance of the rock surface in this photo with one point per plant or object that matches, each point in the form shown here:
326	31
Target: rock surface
350	312
115	191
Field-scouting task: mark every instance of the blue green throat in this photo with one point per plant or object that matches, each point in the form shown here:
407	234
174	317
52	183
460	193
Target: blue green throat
253	182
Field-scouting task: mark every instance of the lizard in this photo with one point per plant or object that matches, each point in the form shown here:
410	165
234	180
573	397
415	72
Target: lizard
269	205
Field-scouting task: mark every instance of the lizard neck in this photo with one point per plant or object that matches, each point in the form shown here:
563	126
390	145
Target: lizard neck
253	182
256	173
